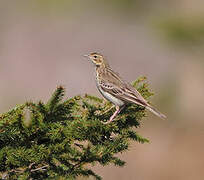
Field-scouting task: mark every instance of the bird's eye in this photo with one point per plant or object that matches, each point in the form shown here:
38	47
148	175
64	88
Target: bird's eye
95	56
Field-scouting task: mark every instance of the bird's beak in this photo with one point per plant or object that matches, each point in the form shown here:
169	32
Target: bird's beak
86	55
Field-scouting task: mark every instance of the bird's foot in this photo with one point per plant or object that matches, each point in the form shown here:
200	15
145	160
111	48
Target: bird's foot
110	120
118	109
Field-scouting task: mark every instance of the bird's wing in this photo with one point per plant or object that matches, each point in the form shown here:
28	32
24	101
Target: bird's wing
113	84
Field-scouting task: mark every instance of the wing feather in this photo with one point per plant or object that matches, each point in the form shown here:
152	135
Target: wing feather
113	84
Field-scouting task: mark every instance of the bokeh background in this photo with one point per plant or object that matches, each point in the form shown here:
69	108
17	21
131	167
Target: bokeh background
41	46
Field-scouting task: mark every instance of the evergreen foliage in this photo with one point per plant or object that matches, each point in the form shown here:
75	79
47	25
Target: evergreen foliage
58	139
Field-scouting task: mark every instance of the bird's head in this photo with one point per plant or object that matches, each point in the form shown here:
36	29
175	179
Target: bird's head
97	59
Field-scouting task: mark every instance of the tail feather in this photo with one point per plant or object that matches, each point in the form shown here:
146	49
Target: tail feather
154	111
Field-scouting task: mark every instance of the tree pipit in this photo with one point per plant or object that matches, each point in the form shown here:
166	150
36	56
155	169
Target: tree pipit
115	89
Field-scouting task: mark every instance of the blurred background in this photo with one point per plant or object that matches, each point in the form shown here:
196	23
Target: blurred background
41	47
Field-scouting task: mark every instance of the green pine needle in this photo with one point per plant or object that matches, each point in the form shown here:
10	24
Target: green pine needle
58	139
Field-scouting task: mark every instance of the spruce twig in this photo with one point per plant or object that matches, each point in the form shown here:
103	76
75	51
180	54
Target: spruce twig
59	138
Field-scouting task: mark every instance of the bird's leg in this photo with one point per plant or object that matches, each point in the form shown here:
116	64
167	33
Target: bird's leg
118	109
114	114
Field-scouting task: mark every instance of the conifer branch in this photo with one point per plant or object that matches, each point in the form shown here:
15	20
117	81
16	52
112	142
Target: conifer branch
59	138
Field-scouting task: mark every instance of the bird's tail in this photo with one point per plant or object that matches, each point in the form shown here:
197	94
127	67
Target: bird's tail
154	111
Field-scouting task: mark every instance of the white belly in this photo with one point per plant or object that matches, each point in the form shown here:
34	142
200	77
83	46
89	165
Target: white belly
111	98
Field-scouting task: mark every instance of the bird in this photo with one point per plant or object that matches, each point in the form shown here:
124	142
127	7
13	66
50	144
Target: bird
115	89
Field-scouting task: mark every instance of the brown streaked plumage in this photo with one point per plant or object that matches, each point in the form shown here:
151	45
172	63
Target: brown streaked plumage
115	89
